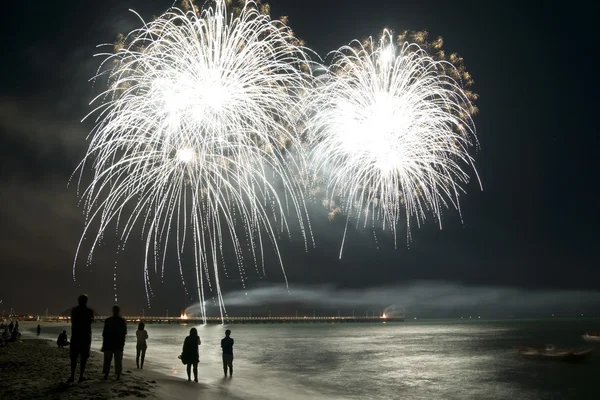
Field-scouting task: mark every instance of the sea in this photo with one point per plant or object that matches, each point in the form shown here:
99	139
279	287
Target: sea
423	359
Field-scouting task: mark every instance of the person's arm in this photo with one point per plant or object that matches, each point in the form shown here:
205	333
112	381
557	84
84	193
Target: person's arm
222	343
199	341
146	334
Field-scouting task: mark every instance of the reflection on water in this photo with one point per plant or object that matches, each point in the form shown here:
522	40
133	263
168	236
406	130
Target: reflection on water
412	360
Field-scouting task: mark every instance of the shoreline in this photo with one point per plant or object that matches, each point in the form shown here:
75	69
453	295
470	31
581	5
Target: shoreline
37	368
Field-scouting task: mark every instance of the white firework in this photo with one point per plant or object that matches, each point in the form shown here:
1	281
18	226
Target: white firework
390	131
192	135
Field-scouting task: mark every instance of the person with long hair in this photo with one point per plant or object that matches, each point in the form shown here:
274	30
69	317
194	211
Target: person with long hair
191	354
141	345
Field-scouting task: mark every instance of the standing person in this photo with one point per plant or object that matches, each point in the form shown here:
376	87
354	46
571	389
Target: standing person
141	345
39	330
82	318
227	346
113	342
191	355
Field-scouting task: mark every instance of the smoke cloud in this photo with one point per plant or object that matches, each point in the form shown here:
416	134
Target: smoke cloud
420	299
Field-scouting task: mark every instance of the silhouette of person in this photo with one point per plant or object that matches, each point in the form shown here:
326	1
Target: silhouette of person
11	326
14	335
113	342
16	328
82	318
190	354
62	340
227	346
39	330
141	346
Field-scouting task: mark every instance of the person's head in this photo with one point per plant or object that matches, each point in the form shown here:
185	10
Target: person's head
228	332
194	332
65	332
116	311
82	300
141	326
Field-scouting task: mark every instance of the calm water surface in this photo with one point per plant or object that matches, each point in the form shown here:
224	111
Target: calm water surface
438	359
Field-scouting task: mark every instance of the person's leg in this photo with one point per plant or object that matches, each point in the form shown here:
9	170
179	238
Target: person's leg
137	356
118	363
143	356
107	361
73	366
189	368
82	364
231	366
74	352
225	364
85	354
195	372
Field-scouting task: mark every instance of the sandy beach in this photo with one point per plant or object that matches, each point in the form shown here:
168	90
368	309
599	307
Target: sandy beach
36	368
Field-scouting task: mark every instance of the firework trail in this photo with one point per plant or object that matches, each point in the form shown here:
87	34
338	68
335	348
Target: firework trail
192	137
389	132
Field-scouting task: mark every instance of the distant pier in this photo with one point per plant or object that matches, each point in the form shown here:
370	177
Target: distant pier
256	320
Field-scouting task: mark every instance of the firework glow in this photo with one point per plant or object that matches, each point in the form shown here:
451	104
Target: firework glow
192	137
390	133
213	130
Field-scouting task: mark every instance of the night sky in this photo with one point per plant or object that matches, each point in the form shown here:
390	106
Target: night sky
532	228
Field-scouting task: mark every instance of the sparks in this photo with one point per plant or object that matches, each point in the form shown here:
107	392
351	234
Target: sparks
192	136
390	129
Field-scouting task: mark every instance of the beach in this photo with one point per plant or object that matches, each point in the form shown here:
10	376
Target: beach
421	360
37	368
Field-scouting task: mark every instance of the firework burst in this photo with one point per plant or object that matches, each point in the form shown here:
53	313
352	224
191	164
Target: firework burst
192	137
390	131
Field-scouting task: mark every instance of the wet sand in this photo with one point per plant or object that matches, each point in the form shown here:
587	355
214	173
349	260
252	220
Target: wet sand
36	368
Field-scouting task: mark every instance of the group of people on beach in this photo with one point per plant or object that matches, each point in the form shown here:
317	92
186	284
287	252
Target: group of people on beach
190	355
113	343
113	340
10	333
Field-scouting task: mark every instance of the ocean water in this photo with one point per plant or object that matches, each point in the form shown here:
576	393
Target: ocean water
436	359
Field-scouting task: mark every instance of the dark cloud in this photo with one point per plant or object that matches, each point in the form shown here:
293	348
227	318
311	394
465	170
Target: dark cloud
40	130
